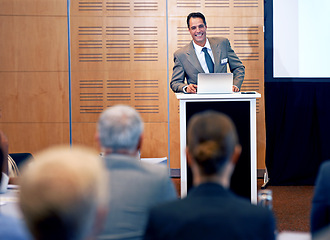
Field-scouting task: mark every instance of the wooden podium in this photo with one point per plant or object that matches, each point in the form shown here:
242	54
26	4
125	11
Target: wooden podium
241	108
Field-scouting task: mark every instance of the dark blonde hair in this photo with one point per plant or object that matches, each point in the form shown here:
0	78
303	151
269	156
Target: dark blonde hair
61	192
212	138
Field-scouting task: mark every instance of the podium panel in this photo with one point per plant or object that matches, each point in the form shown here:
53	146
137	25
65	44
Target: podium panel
241	108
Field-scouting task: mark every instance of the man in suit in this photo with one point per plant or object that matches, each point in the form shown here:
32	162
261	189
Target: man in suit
321	201
135	186
210	210
192	59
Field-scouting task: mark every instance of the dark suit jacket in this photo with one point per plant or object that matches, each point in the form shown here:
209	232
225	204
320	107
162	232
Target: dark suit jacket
187	66
210	212
320	216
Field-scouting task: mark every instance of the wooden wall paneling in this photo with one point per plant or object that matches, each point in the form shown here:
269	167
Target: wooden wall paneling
126	43
33	74
177	38
83	133
132	54
87	43
110	43
149	95
118	8
175	145
136	43
88	8
223	8
174	126
94	91
34	97
7	43
6	7
40	7
32	43
119	61
155	140
88	95
261	137
33	137
119	44
33	7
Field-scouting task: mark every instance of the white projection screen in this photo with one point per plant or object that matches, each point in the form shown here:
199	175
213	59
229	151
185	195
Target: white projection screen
301	35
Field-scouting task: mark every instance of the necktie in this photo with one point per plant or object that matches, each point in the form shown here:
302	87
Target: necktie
208	60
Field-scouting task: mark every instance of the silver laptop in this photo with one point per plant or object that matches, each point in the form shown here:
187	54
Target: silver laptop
208	83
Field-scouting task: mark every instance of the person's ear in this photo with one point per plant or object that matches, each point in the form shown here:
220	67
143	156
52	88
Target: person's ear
97	139
189	158
236	154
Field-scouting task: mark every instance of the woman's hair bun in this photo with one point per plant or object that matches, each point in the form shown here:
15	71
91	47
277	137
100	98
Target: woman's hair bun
206	151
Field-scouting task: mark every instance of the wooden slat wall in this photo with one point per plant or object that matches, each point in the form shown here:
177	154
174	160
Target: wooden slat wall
34	74
119	54
119	57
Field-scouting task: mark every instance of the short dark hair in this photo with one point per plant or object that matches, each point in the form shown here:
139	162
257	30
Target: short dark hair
196	15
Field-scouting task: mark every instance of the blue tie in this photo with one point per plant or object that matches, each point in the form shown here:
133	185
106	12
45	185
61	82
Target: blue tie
208	60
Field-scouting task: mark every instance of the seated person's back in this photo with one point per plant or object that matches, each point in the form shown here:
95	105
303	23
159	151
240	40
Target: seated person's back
211	211
135	186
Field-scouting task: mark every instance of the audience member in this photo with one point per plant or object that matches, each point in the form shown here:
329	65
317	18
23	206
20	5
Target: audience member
9	168
135	186
10	228
320	214
210	210
63	194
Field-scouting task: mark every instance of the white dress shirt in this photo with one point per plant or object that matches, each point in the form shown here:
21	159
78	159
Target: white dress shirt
201	56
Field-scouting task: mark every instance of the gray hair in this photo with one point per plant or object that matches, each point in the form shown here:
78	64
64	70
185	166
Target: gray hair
120	128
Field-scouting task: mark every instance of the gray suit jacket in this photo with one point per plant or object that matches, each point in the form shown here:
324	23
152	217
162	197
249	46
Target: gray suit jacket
135	187
187	66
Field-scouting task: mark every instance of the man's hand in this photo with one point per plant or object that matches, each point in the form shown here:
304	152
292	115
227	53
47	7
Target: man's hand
191	88
235	88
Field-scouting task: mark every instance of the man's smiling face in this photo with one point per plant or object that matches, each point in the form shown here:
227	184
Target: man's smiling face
197	30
